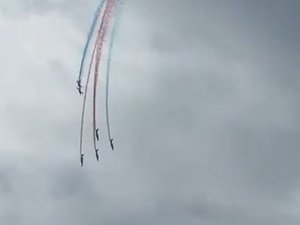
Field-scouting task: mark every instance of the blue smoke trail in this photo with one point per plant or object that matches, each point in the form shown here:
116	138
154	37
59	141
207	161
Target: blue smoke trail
111	44
96	16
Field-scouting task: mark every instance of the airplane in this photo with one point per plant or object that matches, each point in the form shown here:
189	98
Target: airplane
81	160
111	144
97	154
97	134
79	90
79	83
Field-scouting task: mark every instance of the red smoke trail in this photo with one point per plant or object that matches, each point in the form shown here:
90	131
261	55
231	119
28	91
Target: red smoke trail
96	52
86	89
100	39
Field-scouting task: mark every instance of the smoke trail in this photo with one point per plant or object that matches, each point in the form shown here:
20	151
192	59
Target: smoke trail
85	96
111	44
101	34
90	34
110	6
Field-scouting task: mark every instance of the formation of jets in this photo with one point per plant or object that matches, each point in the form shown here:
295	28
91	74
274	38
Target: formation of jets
79	88
107	12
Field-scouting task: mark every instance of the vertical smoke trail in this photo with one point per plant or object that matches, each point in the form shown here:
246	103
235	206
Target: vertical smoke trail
111	7
90	34
101	34
84	99
111	44
85	95
98	11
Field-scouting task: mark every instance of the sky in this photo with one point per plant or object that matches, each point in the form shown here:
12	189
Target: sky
204	113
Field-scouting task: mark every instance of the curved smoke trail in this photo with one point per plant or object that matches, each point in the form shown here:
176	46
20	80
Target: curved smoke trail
85	96
110	7
90	34
111	45
101	34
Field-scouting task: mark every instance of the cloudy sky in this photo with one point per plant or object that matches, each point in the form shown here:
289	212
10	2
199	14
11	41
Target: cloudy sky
204	111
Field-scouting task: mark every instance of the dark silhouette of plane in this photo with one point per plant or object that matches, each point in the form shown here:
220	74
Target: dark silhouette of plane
97	134
111	144
79	83
81	160
97	154
79	87
79	90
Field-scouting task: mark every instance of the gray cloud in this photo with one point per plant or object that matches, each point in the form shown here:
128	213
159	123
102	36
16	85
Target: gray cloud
203	105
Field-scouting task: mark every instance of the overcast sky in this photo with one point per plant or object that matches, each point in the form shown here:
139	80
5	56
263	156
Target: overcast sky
204	112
